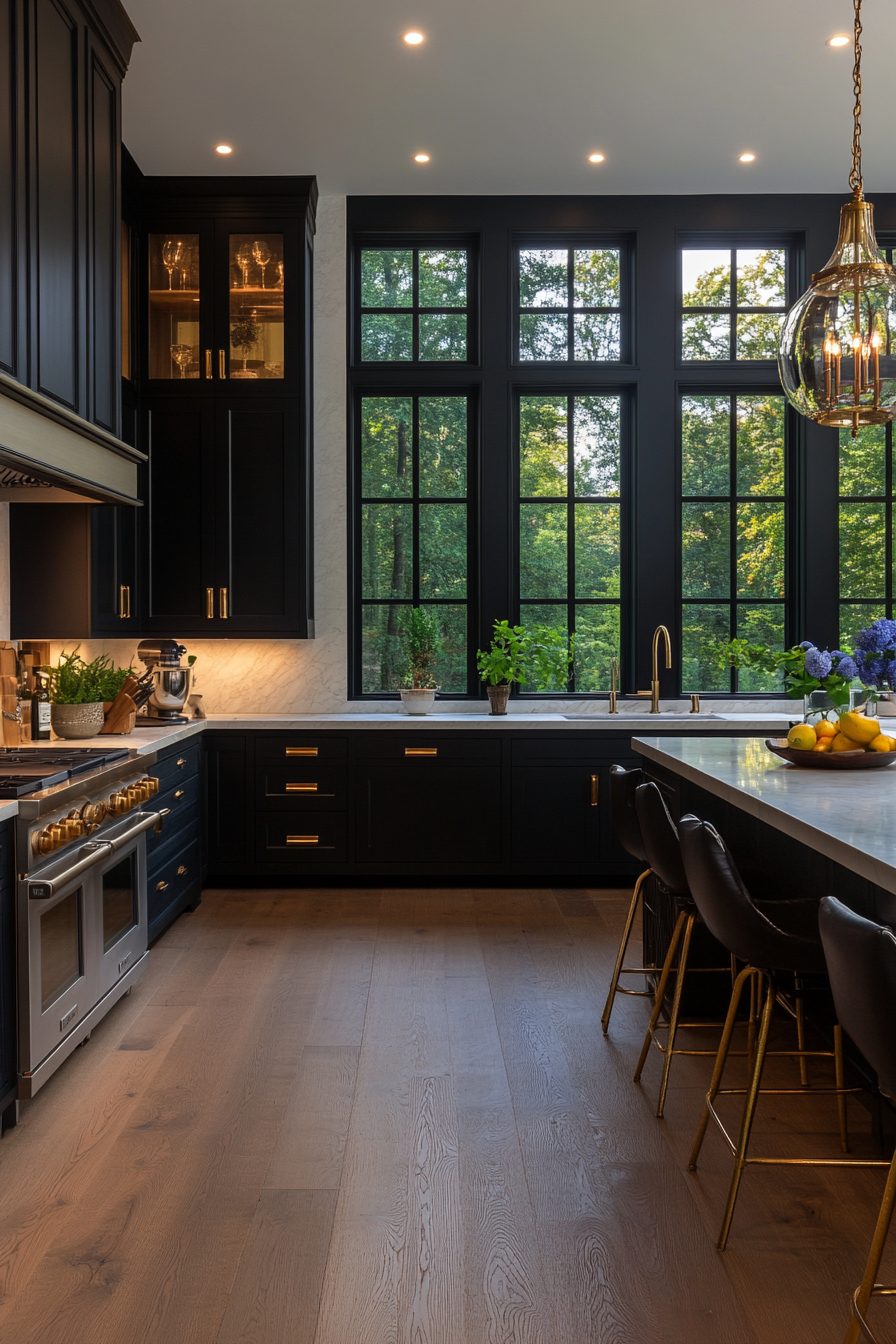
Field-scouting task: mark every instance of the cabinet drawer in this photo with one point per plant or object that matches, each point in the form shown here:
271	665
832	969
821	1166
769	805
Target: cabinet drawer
424	749
300	837
183	802
179	765
300	747
557	751
176	874
301	786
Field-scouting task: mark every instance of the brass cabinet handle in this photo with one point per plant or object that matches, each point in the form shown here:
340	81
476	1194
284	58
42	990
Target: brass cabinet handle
179	793
303	839
222	368
208	363
181	763
301	751
181	870
421	751
124	601
223	603
209	604
595	790
301	788
161	886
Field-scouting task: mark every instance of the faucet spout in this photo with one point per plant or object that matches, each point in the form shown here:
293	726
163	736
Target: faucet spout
655	675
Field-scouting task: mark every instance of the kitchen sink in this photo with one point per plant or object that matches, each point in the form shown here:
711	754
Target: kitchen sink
664	716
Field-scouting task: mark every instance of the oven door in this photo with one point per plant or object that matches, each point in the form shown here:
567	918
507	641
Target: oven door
62	983
121	914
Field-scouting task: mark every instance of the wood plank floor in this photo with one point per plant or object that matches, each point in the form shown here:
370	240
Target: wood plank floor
390	1117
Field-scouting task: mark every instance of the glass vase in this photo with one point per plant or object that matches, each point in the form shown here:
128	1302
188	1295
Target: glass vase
818	704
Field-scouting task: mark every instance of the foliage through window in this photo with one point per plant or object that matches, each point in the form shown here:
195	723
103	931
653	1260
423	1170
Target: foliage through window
733	540
570	305
866	529
570	525
414	305
733	302
414	532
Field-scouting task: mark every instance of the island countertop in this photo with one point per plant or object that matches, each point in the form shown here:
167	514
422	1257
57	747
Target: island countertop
849	815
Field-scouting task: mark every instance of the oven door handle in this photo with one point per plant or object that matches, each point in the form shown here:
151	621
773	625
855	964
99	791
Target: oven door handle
143	821
44	889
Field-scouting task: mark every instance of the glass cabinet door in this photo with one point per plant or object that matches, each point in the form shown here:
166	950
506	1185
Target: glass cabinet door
256	305
174	305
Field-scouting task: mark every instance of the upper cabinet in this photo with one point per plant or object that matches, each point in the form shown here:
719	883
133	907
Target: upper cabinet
61	67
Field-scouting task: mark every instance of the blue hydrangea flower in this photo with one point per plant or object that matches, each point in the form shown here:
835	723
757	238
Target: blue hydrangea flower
807	644
818	663
846	667
876	653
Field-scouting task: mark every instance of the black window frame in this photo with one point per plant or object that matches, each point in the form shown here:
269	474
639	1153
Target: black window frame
574	240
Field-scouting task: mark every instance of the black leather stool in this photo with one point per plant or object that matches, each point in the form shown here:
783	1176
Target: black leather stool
769	952
625	823
861	958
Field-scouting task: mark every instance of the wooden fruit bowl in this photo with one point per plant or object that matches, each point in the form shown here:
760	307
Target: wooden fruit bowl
831	760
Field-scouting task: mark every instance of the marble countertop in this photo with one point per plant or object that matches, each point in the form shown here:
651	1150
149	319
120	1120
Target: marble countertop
849	816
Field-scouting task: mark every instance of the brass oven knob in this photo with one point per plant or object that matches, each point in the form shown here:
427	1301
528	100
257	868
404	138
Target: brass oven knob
42	842
152	784
74	826
57	834
137	794
118	804
92	815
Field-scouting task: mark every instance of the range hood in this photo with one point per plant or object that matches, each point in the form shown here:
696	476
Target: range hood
48	454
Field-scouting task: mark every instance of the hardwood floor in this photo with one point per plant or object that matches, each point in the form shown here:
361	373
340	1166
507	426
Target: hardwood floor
391	1118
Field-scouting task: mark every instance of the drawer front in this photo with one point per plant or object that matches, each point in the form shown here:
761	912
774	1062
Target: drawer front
557	751
300	747
424	750
300	837
178	765
183	804
303	786
177	872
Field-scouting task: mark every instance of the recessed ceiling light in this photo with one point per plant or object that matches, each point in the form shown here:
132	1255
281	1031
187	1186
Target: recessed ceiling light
838	40
413	39
747	158
223	149
421	158
595	158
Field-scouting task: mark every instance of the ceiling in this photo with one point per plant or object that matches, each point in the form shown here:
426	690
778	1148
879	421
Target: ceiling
510	96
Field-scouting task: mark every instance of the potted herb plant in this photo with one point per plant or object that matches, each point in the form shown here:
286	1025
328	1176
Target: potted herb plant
244	333
420	628
518	653
78	691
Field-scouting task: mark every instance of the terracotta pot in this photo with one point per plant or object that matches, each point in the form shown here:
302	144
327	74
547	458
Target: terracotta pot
76	720
498	698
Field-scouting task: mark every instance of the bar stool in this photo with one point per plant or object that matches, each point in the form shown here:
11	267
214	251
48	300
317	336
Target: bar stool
660	840
768	951
861	959
625	823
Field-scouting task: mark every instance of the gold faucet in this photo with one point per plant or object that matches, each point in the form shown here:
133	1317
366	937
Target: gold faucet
614	685
654	691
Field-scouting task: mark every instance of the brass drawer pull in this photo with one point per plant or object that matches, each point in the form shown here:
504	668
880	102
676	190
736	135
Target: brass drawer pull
303	839
209	604
222	368
208	363
179	793
181	870
301	788
224	600
301	751
124	601
181	763
595	790
161	886
421	751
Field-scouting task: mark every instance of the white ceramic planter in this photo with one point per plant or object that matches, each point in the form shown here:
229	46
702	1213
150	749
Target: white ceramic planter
417	699
76	720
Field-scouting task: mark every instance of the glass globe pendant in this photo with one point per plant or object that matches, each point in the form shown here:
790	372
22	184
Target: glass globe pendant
837	357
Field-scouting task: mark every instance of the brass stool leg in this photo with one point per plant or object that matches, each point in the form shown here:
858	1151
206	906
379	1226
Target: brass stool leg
660	992
724	1045
840	1084
801	1030
749	1112
676	1006
875	1255
623	946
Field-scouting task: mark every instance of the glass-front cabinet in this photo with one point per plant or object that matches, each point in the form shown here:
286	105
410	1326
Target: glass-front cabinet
222	304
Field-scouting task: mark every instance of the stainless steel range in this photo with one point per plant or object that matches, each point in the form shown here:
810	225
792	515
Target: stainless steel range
81	893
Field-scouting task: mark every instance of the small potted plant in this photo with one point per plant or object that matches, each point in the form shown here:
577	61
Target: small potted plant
244	333
78	691
420	628
518	652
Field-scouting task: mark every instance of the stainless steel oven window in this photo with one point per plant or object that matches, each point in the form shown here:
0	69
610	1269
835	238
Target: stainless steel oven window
120	892
61	948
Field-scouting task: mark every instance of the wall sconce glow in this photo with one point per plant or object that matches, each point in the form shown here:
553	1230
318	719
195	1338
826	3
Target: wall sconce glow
421	158
747	158
413	39
223	149
595	158
838	40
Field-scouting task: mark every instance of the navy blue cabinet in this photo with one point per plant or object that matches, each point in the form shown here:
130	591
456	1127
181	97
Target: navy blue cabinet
174	858
8	1080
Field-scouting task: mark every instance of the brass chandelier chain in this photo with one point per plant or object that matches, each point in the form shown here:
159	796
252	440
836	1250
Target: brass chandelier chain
855	174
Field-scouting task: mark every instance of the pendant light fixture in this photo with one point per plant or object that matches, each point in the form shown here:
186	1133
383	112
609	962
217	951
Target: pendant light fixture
837	357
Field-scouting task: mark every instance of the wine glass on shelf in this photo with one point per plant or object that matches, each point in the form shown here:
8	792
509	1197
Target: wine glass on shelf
280	273
172	253
262	254
182	355
186	268
244	261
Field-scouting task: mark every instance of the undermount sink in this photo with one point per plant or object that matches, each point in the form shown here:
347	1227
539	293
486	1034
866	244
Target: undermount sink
664	716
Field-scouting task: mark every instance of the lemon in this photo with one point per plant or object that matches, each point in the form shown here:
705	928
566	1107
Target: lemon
802	737
859	727
823	744
882	743
824	728
843	743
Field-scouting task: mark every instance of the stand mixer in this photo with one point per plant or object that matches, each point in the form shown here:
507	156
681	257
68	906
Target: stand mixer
171	682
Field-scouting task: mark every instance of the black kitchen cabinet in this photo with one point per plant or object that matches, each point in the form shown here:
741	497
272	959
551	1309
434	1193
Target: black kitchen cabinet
8	1076
114	591
228	802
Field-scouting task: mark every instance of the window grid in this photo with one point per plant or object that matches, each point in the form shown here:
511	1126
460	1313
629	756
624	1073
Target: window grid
857	608
732	308
415	310
571	309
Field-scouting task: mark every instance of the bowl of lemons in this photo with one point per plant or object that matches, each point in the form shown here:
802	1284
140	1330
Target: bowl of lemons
853	742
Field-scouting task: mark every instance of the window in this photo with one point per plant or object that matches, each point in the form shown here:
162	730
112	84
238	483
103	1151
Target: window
570	304
415	539
733	528
414	305
866	529
733	301
570	525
